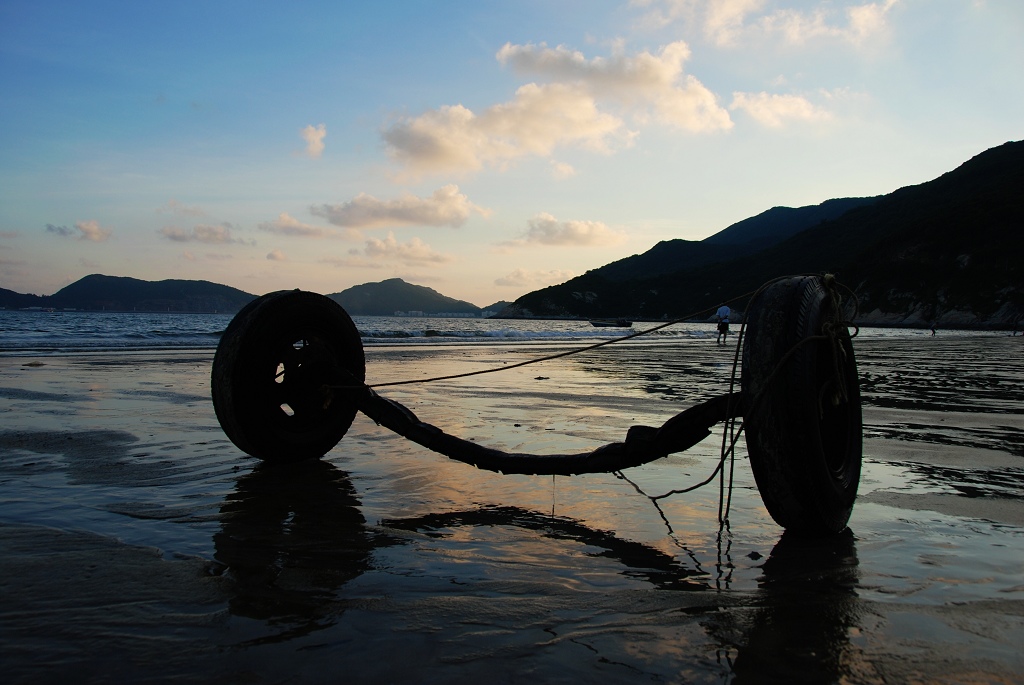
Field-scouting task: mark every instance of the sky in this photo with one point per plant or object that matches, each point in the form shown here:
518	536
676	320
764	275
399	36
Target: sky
483	149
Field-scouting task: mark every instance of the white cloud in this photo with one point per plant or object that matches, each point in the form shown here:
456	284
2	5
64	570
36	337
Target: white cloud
657	14
533	278
91	230
562	170
314	137
723	22
567	111
287	225
277	256
413	252
731	23
868	20
544	229
539	119
202	233
642	82
774	110
446	207
619	73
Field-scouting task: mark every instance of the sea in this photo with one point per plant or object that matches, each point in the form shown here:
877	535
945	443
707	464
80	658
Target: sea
61	332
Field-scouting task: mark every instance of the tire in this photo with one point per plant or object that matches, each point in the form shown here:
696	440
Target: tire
803	431
271	371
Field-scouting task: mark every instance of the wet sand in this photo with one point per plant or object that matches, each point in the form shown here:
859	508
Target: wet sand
137	544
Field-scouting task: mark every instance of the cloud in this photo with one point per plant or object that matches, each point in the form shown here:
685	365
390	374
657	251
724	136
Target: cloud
446	207
277	256
561	170
314	137
539	119
413	252
619	73
863	22
531	278
544	229
723	22
91	230
10	234
287	225
656	14
731	23
219	234
62	231
87	230
774	111
644	83
175	207
868	20
569	110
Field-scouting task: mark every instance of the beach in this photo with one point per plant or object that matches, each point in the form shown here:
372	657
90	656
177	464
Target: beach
138	544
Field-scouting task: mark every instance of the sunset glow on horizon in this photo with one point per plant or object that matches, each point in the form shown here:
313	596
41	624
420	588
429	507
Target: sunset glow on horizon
481	149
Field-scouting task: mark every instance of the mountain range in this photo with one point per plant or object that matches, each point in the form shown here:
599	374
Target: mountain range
947	251
118	293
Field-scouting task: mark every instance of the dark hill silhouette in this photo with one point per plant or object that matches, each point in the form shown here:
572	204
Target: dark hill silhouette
120	293
778	223
12	300
948	250
394	294
742	238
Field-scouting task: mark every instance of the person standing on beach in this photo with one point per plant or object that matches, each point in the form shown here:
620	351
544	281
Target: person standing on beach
723	324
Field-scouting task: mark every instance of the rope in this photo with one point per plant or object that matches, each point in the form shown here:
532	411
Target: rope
831	327
731	434
559	355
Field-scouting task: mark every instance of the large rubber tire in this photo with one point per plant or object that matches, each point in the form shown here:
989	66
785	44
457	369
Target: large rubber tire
802	417
272	370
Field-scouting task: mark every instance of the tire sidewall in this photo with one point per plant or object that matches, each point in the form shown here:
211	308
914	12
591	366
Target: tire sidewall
806	460
246	362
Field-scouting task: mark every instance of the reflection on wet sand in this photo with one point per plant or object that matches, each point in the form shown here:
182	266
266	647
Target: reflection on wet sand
290	537
806	610
640	561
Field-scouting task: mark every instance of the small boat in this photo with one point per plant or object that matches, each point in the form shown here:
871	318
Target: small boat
611	323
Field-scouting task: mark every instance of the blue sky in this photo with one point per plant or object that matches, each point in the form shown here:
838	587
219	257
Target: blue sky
484	149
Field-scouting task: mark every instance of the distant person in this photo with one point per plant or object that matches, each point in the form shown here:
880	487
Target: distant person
723	324
933	327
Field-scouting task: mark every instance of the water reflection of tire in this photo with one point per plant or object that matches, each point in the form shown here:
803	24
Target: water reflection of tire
803	436
290	537
807	606
270	371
